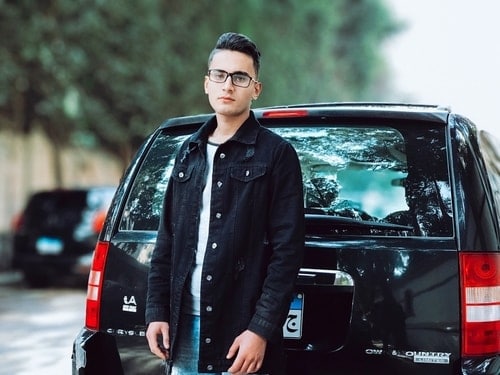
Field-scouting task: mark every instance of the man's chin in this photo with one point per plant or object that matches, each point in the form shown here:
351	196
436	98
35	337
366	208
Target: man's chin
231	112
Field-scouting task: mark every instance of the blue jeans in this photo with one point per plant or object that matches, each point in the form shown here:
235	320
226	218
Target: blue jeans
187	350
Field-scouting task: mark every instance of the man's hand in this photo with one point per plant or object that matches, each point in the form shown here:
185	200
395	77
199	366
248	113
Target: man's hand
158	332
250	349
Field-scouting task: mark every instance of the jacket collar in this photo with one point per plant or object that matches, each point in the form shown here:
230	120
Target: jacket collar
246	134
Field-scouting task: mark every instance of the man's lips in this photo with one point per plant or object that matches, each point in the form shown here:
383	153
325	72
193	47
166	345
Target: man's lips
226	99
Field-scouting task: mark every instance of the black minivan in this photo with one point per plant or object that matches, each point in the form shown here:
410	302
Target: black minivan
401	273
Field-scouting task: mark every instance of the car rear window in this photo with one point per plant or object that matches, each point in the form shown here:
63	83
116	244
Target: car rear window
144	203
65	208
394	181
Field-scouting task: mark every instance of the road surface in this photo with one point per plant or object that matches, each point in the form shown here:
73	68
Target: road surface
37	328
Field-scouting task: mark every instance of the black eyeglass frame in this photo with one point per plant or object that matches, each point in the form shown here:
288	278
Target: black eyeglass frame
227	74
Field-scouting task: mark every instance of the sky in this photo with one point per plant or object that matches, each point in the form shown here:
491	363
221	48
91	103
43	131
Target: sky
448	53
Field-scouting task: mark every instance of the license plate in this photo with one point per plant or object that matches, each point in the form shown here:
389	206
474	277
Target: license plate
49	246
292	329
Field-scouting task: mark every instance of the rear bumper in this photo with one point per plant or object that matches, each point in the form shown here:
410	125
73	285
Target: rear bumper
488	366
98	353
79	355
123	354
95	353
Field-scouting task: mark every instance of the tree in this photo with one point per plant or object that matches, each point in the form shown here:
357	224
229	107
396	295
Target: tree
104	74
89	73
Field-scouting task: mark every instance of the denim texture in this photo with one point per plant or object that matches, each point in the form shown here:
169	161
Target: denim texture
186	362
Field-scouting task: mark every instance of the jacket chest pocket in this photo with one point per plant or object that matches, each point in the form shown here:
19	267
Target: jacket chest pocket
247	173
182	173
183	189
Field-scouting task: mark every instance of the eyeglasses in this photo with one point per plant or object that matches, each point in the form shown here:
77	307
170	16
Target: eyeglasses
238	79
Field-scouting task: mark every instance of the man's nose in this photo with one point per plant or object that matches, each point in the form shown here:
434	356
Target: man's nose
228	84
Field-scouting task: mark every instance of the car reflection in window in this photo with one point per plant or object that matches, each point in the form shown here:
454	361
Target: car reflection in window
362	180
377	175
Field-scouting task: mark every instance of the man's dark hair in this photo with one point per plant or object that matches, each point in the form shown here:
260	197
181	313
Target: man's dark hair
239	43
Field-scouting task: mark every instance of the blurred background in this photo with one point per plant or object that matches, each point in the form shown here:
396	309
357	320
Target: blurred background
447	53
82	83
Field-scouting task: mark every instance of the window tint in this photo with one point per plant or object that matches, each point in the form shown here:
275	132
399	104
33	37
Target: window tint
55	210
144	204
353	172
481	228
376	175
62	209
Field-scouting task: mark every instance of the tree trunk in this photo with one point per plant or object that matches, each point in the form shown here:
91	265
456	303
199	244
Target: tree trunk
57	164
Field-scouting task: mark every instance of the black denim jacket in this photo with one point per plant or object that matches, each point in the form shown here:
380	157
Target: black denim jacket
255	244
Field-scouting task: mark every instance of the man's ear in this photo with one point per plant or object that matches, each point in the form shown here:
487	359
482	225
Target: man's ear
205	84
257	90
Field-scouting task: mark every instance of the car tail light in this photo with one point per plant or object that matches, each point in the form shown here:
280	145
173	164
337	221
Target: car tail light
98	221
285	113
94	287
17	222
480	303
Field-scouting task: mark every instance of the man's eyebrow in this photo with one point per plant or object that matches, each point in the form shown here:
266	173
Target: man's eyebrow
241	72
236	72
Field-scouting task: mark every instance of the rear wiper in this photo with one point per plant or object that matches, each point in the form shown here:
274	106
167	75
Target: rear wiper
340	222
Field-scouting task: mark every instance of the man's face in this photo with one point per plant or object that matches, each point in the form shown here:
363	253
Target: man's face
225	98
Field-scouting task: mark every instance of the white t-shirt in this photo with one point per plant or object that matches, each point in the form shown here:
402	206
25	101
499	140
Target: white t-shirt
192	299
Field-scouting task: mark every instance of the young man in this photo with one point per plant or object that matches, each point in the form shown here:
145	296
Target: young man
231	236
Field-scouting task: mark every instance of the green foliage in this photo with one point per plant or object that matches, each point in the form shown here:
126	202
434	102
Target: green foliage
103	73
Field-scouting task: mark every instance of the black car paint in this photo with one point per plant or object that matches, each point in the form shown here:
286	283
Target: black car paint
393	279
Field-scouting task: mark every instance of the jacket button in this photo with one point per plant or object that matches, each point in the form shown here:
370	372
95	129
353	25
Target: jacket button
222	155
181	174
208	340
219	183
210	367
218	215
247	173
214	245
209	308
209	277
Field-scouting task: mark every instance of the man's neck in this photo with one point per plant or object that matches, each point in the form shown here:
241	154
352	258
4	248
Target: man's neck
226	127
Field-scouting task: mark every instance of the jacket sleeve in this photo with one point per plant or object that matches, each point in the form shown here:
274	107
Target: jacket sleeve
158	293
286	236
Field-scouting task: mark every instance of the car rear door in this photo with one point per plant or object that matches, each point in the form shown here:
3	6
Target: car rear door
127	244
379	286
